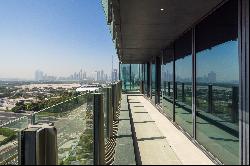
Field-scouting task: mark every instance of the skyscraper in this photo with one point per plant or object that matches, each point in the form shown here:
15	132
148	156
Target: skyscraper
38	75
212	77
80	75
114	75
102	75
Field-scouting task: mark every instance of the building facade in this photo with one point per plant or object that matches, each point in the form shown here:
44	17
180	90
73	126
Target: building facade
191	60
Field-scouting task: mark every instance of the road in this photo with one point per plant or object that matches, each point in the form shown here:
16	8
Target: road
9	116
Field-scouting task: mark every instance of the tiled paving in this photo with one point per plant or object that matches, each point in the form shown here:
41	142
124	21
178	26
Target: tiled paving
124	151
153	147
178	145
156	140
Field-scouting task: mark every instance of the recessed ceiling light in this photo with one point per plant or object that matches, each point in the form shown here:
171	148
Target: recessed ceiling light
162	9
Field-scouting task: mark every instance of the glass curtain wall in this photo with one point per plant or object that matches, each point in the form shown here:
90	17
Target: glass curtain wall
145	79
217	99
130	76
183	82
153	81
135	77
125	76
142	77
167	83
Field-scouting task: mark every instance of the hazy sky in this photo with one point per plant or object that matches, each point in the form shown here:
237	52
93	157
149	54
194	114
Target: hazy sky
221	59
58	37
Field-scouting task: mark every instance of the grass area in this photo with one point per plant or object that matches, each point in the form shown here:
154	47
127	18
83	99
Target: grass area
8	134
2	138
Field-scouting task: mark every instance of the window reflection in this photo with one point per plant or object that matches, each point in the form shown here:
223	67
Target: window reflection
145	79
153	81
217	83
167	83
125	76
130	76
183	80
135	77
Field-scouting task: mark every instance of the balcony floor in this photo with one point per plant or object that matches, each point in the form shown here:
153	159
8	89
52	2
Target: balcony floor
157	140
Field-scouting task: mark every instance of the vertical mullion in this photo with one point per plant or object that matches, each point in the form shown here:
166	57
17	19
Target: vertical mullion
174	85
193	83
243	35
246	90
241	76
119	71
130	78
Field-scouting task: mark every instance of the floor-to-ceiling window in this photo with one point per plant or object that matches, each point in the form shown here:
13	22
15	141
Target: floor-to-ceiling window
145	79
130	76
142	78
153	81
135	77
125	76
162	83
217	96
183	82
167	83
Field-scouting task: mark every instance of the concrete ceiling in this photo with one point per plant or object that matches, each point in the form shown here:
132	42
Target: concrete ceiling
145	30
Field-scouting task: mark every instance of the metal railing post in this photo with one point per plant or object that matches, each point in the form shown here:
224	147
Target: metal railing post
176	91
110	112
169	87
210	98
235	104
183	92
99	143
33	119
114	101
164	88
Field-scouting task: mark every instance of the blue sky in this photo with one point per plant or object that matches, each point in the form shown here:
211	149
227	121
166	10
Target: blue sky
221	59
56	36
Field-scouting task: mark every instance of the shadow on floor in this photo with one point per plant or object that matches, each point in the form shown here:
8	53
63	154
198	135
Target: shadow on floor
124	136
134	102
151	138
124	119
145	122
124	110
141	112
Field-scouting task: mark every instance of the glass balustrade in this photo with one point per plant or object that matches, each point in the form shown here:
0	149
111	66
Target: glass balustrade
74	121
9	134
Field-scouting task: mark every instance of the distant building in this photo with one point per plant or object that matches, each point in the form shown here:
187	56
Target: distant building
115	75
84	75
39	75
80	75
102	75
212	77
98	76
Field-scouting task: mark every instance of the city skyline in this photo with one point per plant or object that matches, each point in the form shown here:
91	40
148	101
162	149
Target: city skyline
58	37
80	75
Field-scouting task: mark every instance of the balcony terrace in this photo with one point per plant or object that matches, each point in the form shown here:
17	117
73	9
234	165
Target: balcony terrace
182	97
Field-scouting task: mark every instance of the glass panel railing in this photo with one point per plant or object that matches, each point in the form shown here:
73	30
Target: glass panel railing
74	124
105	112
74	121
9	140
